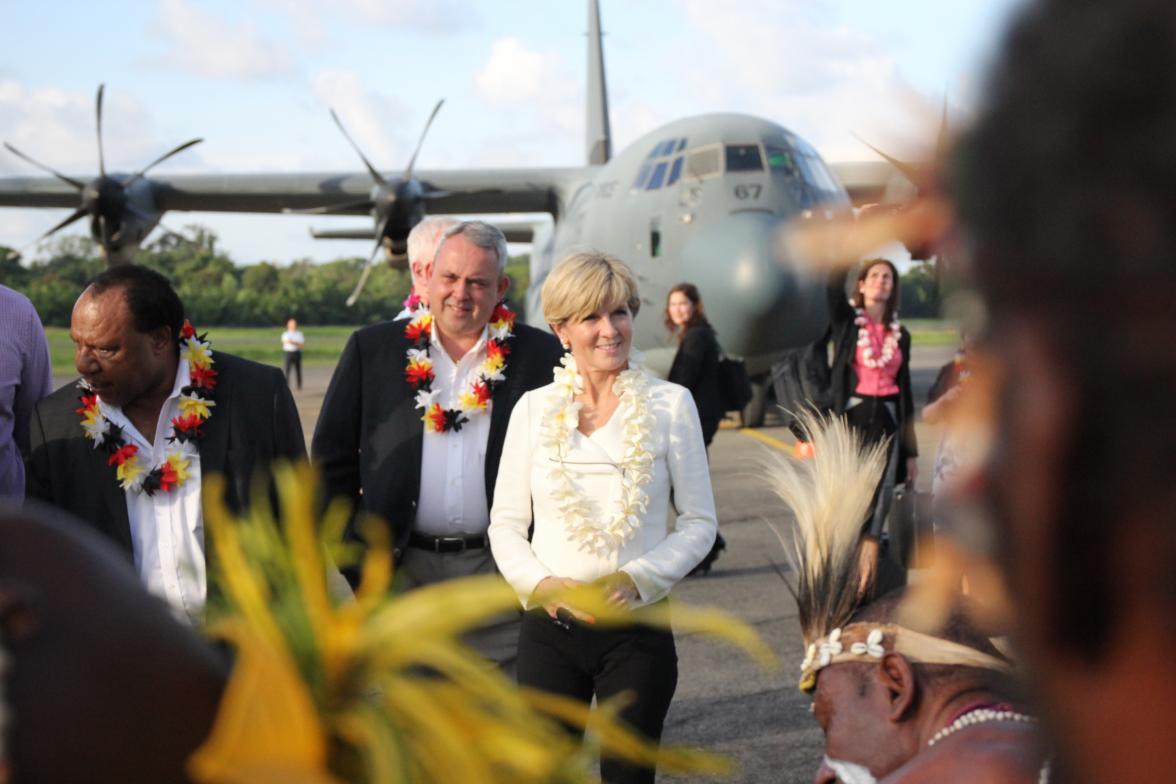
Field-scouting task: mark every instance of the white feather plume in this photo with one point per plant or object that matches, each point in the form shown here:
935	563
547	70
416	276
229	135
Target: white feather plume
829	495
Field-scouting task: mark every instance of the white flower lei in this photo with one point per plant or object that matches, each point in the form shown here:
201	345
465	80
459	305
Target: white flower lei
889	344
561	419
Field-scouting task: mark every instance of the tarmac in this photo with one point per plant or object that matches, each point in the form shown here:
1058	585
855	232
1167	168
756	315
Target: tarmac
724	701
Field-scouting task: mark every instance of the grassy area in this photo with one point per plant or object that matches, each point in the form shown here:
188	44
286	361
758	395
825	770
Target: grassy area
261	344
325	344
933	332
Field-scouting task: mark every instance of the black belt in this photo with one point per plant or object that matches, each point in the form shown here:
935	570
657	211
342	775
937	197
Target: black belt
447	544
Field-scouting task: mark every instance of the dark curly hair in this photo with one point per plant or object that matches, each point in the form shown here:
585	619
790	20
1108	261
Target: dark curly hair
150	297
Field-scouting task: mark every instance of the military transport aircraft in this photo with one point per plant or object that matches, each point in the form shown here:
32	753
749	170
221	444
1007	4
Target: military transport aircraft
700	199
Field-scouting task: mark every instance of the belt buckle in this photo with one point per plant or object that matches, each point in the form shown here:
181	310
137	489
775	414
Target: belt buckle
445	540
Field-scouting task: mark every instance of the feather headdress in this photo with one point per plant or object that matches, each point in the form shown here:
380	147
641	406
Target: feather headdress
829	496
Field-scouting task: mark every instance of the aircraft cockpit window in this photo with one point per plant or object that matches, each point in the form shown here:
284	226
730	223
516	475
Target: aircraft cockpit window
658	176
642	176
675	170
780	159
704	162
681	145
744	158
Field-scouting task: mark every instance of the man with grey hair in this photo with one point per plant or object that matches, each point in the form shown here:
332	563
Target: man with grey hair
422	250
412	425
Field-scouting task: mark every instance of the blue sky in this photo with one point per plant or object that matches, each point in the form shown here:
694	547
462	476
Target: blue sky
255	78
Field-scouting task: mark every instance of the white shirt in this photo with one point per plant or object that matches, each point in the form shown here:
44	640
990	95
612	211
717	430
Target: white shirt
452	496
167	528
292	340
655	557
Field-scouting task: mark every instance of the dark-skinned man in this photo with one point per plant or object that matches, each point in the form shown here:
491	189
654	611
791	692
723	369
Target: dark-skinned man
896	704
156	411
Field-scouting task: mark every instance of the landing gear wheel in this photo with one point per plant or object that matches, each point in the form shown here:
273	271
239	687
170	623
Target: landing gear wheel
753	412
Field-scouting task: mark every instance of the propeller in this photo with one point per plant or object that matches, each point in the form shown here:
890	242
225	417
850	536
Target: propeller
396	204
104	198
924	176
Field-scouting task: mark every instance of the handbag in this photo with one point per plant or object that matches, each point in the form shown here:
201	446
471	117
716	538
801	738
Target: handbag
734	383
909	525
800	380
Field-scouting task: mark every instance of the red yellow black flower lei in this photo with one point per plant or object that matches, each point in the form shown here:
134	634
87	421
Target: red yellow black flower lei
195	408
419	371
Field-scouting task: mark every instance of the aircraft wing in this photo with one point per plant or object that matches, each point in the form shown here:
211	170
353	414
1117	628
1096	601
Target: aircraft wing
871	182
520	230
462	191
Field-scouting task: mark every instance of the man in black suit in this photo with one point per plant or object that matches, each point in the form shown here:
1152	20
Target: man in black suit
412	425
127	453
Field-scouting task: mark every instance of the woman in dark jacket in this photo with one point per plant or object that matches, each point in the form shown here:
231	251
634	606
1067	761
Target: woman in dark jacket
870	383
696	367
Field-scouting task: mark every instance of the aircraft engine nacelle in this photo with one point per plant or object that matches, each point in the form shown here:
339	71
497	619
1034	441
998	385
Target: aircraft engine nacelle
121	219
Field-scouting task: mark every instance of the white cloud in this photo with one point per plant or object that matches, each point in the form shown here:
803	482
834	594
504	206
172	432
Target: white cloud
789	63
536	99
432	17
375	121
207	45
57	128
516	75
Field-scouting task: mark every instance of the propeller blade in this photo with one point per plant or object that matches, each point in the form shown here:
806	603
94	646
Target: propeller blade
376	176
330	209
909	170
105	238
43	167
101	157
367	267
942	140
412	161
160	160
77	214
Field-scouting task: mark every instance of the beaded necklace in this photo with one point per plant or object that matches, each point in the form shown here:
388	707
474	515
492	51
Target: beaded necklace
418	372
196	405
978	716
889	343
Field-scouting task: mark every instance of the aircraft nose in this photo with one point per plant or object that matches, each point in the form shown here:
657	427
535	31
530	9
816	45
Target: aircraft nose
759	303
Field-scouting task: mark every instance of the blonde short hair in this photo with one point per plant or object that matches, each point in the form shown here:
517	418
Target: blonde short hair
586	283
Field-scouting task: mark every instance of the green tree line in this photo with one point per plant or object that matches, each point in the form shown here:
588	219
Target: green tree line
218	292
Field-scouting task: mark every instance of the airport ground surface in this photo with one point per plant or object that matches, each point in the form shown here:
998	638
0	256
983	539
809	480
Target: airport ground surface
724	701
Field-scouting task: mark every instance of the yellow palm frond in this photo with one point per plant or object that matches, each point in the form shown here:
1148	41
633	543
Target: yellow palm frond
381	689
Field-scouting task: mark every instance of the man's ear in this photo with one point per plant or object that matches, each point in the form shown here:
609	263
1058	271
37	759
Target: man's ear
503	286
898	678
162	338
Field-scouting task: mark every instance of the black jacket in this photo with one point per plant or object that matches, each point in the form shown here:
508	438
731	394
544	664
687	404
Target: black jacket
369	434
253	423
696	367
843	379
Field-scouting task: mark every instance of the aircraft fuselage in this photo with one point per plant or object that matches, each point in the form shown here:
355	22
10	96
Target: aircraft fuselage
702	200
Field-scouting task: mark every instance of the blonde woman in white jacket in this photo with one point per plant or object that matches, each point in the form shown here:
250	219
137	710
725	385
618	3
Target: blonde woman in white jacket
592	461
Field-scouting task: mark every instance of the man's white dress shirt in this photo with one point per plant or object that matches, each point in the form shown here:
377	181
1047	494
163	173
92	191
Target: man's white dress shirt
167	528
452	497
655	557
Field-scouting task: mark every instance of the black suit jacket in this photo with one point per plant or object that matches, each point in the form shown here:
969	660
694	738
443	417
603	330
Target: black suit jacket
254	422
696	367
370	435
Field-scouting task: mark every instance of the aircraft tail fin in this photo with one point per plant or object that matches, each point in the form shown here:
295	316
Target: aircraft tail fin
599	137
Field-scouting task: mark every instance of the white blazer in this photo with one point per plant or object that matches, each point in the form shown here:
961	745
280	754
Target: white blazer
656	558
